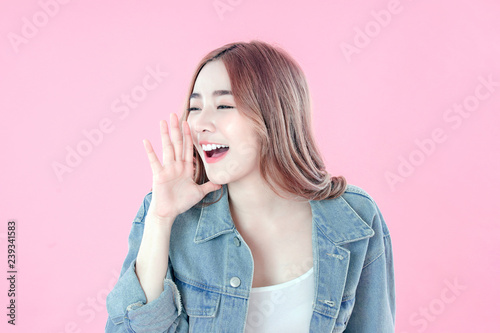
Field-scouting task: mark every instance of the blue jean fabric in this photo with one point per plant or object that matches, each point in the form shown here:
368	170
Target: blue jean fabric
210	272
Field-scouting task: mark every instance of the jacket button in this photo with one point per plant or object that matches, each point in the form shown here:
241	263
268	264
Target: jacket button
235	282
236	241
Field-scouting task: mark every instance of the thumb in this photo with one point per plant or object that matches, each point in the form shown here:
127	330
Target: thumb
209	187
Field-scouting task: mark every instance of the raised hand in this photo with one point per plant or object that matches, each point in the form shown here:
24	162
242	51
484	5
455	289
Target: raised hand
174	190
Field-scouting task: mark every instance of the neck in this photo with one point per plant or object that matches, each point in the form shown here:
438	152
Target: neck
253	202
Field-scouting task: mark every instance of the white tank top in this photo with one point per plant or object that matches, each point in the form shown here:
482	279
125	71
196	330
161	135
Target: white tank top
285	307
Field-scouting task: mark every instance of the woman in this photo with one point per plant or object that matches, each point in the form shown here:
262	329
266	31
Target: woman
244	230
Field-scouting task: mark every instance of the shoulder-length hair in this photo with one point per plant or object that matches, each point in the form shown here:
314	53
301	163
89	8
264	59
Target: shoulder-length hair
270	89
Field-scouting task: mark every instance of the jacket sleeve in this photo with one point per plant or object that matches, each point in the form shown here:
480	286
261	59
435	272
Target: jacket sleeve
126	303
375	305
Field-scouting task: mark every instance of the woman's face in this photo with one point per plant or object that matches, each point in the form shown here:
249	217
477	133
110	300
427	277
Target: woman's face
214	120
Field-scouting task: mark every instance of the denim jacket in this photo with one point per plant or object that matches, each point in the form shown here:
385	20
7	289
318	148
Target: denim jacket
210	272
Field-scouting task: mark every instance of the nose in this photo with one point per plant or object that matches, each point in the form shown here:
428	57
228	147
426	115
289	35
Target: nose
201	121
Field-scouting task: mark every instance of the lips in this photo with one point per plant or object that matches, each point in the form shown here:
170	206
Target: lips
213	151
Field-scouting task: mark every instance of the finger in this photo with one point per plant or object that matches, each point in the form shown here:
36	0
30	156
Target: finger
188	141
209	187
168	150
153	160
176	136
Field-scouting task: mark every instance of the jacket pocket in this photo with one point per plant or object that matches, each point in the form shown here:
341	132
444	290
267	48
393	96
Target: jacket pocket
345	312
198	302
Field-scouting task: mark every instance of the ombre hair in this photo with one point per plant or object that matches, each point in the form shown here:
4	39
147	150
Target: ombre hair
271	91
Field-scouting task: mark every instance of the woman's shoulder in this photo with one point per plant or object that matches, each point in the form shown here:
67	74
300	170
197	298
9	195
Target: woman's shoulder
356	191
358	203
143	208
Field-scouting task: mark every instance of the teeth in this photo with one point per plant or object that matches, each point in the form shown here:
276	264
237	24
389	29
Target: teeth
212	146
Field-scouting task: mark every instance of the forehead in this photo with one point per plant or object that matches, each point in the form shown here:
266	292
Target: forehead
213	76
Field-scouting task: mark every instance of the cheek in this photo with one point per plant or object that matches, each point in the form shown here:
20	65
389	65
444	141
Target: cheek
240	131
246	154
247	149
190	123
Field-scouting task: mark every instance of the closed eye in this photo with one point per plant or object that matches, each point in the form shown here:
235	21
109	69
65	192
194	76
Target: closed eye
219	107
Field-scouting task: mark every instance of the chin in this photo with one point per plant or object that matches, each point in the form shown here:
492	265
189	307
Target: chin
219	177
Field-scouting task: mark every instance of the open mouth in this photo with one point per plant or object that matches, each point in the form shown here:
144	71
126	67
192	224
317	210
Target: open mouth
214	152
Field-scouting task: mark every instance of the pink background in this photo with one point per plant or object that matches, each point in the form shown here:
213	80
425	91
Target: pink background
397	87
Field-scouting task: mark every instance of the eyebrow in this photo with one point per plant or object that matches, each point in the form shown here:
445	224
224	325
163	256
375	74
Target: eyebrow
215	93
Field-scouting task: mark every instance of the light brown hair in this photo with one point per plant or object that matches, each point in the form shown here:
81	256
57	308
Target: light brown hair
270	89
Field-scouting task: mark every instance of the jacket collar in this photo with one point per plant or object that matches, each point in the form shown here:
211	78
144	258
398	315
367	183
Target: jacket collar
335	218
